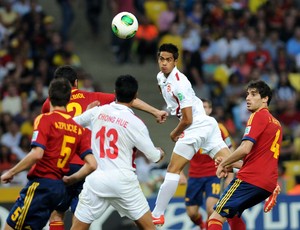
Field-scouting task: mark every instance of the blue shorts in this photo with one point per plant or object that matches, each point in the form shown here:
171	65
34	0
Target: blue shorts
197	187
238	196
73	191
36	202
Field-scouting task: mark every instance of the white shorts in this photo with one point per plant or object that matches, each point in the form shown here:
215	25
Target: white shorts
119	188
205	134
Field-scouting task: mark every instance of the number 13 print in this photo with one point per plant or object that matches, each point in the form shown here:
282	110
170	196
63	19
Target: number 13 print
112	150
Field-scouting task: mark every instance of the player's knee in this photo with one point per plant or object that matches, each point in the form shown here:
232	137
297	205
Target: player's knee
56	216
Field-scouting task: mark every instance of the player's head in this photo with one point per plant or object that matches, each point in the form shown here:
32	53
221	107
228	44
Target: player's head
207	104
259	93
59	92
126	87
68	73
167	57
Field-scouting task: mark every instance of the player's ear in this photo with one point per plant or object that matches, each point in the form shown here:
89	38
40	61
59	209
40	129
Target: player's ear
76	83
136	95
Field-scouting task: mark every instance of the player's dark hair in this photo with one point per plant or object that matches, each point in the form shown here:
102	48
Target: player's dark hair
170	48
66	72
60	92
126	87
263	89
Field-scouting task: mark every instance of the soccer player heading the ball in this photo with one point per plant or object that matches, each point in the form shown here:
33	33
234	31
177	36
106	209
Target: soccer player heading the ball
195	129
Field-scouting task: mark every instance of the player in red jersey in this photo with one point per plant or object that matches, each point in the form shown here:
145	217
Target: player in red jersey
259	150
78	104
56	138
203	181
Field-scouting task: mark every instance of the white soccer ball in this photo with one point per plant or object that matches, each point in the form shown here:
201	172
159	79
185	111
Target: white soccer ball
124	25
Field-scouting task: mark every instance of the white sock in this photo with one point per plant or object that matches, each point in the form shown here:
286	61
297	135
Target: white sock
166	192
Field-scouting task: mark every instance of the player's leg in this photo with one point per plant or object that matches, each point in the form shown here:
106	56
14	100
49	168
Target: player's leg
194	199
56	221
235	223
195	216
35	204
145	222
90	205
237	197
170	184
7	227
212	191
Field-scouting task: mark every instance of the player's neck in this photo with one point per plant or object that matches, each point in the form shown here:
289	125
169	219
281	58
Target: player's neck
125	104
60	108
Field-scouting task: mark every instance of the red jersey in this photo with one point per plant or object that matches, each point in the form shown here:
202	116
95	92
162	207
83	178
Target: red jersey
260	166
78	103
201	165
61	138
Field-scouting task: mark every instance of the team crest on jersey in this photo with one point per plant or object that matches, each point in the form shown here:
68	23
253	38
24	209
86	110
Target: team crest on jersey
247	130
35	135
168	88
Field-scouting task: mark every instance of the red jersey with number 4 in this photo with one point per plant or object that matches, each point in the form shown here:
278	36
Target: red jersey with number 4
61	138
260	166
201	165
78	104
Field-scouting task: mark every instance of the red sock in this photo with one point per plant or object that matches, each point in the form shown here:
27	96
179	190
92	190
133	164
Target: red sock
236	223
214	224
56	225
198	220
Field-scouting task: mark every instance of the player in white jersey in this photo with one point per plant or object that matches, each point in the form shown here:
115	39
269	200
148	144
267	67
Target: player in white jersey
195	129
116	133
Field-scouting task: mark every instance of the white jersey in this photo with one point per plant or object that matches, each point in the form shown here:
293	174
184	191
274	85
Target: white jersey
178	94
203	132
116	131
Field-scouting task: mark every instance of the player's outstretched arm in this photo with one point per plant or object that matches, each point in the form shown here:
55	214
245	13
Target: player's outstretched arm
27	162
160	115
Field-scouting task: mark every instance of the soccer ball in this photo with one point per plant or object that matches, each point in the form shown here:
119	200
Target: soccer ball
124	25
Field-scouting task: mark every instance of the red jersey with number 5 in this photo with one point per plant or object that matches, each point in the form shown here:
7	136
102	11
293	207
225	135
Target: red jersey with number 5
78	104
260	166
61	138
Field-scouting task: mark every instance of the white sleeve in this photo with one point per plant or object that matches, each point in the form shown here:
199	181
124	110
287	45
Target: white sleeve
146	146
85	118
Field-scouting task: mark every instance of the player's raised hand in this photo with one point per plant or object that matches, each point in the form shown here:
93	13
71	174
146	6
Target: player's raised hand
221	172
218	160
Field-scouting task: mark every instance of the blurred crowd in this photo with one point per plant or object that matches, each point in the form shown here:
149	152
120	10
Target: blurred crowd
31	48
223	45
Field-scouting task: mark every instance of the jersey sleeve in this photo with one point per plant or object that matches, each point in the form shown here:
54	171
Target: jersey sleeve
46	106
145	145
41	129
255	126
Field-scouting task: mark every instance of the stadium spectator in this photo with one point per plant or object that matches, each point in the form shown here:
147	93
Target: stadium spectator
296	189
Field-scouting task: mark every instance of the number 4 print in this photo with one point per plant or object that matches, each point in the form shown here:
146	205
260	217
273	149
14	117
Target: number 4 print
112	151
